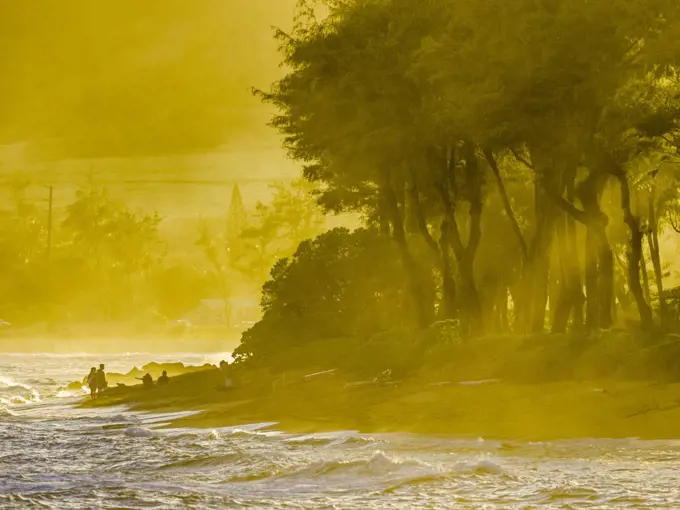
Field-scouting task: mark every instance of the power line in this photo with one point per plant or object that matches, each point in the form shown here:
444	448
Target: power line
191	182
49	225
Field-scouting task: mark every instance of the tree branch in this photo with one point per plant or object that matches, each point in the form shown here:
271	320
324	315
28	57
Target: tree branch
506	204
578	214
519	158
422	221
565	205
674	225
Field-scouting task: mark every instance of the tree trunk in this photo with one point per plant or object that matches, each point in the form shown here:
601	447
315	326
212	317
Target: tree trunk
606	271
414	219
465	254
448	283
441	250
473	181
383	212
592	280
424	310
647	291
599	262
516	293
563	304
653	241
555	281
540	274
622	295
503	321
539	255
634	252
524	305
472	305
571	299
574	270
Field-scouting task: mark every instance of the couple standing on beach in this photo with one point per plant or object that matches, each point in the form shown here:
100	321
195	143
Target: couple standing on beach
96	380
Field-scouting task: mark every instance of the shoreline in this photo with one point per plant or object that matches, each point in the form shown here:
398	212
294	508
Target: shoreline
498	410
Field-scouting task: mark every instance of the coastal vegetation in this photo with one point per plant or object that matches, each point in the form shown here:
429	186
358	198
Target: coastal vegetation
516	168
519	161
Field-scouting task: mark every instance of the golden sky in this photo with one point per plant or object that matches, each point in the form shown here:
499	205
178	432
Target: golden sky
100	78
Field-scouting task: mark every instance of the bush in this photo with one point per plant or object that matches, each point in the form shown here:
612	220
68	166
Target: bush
398	350
340	284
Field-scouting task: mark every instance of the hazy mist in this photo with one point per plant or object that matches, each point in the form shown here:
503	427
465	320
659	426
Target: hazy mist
127	78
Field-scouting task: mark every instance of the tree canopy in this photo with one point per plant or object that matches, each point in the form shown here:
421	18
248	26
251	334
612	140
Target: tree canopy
542	135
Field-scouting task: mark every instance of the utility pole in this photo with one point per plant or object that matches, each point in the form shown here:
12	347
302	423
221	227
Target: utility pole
48	272
49	225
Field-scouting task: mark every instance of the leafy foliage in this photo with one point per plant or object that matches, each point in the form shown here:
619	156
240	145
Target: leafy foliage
339	284
464	128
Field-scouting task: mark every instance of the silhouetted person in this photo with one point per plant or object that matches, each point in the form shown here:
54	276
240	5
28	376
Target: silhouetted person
102	383
147	380
92	382
163	379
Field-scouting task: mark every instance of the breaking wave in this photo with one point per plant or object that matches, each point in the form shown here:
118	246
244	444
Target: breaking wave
13	392
379	463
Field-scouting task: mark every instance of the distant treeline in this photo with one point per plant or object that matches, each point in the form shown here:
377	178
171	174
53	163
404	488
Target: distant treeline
100	261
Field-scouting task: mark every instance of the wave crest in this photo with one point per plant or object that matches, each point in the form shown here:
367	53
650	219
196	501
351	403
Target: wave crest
13	392
378	463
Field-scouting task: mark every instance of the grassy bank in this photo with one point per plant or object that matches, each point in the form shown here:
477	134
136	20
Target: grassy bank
606	408
613	384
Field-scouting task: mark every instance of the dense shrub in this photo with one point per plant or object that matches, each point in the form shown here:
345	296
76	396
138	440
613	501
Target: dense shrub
341	284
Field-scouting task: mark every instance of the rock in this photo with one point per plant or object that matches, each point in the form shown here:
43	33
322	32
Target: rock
75	385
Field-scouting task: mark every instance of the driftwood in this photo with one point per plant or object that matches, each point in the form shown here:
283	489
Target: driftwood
326	374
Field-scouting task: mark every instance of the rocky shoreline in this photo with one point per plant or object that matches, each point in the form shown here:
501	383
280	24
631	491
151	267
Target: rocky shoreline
132	377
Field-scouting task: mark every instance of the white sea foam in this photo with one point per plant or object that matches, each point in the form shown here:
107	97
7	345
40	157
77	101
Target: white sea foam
5	412
11	383
138	432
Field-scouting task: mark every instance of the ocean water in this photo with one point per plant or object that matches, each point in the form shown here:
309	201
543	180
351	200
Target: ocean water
54	455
